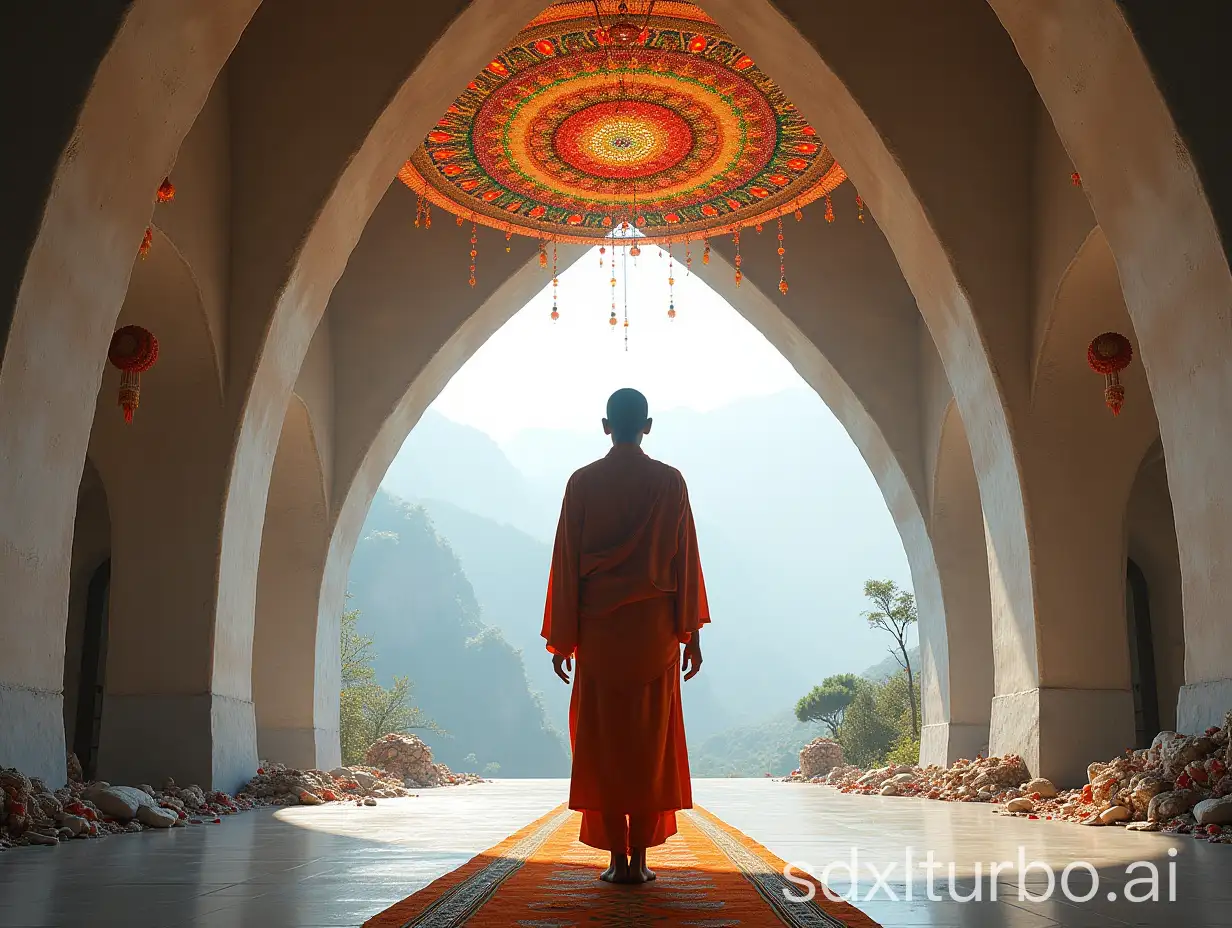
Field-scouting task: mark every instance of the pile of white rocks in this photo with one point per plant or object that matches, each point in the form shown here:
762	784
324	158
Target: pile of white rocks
1181	785
985	779
408	757
31	813
818	758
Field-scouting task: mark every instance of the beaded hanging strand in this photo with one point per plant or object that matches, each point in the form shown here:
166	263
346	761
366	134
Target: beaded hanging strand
543	253
474	252
427	215
671	283
782	262
555	312
736	239
829	209
688	258
706	251
624	267
419	209
860	207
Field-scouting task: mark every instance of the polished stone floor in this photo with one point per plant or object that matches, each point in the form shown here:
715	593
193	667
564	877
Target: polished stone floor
338	865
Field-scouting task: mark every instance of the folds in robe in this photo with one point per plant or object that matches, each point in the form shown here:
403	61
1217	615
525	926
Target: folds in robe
625	590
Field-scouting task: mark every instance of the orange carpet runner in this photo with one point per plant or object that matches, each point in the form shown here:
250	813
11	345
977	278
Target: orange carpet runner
709	875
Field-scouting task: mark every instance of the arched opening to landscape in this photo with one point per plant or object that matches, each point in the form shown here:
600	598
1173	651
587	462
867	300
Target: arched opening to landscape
947	336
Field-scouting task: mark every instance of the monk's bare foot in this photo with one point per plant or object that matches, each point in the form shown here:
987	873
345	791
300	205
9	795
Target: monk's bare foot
617	871
638	871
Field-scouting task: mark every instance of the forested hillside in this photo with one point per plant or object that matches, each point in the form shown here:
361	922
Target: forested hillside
419	608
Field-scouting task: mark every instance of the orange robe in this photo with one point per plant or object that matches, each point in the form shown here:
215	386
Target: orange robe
625	591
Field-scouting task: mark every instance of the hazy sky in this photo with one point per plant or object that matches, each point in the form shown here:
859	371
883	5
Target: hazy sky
534	373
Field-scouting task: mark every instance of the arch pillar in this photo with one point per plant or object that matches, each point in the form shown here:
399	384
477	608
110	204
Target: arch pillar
1150	202
957	687
294	727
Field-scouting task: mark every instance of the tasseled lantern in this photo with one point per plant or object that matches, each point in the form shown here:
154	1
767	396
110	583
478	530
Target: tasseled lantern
133	350
1109	354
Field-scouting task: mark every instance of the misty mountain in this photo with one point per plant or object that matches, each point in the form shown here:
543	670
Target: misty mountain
508	571
418	606
790	525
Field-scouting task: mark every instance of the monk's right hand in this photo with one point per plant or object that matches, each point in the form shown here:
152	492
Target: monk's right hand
560	664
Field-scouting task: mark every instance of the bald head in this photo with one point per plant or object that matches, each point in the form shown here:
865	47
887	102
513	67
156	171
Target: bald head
628	417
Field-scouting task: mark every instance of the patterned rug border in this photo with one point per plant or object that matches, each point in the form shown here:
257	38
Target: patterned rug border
457	894
844	912
414	905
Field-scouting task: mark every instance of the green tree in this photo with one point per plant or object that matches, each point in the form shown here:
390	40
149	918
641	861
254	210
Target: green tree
828	702
866	735
895	613
366	710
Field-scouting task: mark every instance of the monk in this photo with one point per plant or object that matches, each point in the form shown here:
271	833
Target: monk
625	593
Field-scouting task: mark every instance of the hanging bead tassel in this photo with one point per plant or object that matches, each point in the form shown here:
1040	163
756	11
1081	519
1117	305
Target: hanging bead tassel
602	252
612	320
427	215
543	253
671	283
146	241
555	312
130	394
419	209
166	191
829	209
860	207
474	229
458	220
508	236
739	273
782	260
688	258
706	251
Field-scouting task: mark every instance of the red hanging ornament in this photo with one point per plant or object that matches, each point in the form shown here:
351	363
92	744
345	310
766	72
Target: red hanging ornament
166	191
1109	354
133	350
1076	178
146	241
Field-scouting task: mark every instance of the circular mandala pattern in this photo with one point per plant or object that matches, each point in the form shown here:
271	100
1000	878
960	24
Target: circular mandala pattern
565	136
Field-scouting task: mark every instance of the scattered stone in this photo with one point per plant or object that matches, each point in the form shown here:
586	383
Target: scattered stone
156	817
1114	814
1167	806
1041	785
1021	804
369	801
121	802
1214	811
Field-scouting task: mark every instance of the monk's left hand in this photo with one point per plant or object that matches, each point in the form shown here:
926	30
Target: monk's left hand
691	663
560	661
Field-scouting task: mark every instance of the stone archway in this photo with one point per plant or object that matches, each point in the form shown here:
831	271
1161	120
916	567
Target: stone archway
924	195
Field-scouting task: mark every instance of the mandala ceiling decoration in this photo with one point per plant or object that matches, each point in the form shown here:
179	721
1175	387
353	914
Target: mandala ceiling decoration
600	119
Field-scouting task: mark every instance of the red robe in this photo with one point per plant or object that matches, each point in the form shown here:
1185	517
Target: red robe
625	591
